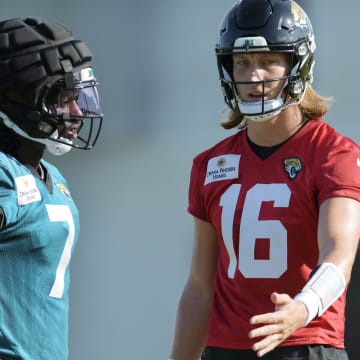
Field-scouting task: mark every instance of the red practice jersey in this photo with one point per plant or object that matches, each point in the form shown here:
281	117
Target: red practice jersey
265	213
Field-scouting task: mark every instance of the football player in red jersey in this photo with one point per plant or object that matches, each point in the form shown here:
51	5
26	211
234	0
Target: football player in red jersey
276	205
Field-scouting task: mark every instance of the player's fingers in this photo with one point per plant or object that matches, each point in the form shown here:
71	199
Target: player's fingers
265	331
269	318
266	350
280	299
267	344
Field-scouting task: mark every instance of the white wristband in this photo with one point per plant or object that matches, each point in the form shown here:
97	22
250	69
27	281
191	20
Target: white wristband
324	287
312	303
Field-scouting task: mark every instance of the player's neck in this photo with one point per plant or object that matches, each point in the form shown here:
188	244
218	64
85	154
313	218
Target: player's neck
276	130
30	153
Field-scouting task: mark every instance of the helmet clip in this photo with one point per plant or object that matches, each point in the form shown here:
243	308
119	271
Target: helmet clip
68	76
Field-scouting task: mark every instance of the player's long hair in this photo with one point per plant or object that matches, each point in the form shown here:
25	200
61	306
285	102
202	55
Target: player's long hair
313	106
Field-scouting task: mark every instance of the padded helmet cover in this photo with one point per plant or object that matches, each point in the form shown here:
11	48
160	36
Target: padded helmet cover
34	55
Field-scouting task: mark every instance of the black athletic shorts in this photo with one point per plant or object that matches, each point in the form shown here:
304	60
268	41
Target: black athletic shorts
306	352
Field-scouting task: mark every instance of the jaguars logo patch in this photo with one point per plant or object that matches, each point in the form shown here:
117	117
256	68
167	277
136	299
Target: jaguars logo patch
293	166
64	190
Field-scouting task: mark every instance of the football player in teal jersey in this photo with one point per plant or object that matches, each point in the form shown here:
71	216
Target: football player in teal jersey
48	101
276	205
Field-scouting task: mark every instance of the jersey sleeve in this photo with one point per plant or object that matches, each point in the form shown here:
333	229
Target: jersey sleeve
196	202
8	200
338	173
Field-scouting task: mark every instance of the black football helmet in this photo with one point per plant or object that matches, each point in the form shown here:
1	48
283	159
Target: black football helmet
266	26
43	69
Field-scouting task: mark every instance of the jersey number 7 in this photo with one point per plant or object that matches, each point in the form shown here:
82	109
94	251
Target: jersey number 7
62	213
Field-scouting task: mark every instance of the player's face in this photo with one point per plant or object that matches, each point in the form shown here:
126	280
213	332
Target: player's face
255	71
66	104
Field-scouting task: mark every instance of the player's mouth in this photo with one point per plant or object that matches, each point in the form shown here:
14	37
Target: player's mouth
255	97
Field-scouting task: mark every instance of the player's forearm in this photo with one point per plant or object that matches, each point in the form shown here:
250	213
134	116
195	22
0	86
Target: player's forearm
344	261
338	237
338	233
191	326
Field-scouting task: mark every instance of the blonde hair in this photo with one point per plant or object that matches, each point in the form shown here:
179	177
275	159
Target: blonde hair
313	106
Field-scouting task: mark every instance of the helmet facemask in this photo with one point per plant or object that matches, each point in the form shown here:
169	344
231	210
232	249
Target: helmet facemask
263	26
294	83
71	115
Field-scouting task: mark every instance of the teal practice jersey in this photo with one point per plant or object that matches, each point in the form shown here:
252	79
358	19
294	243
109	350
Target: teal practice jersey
36	243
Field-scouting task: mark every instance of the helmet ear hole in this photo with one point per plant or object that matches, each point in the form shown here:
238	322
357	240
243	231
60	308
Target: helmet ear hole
228	93
225	65
46	128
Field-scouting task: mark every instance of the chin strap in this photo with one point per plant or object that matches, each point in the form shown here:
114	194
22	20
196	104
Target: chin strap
55	147
271	107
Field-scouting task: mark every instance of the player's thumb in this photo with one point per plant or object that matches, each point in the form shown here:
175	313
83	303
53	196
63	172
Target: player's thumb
280	299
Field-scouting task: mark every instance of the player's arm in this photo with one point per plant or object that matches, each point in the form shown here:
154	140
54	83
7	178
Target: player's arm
194	305
339	233
338	237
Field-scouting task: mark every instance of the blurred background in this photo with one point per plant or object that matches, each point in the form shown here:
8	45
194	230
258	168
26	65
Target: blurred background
162	103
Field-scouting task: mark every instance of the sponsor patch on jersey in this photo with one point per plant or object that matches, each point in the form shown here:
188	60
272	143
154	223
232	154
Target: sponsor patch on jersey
293	166
223	167
27	191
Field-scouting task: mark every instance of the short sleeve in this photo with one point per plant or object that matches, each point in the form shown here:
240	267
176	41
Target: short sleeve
8	199
338	174
196	202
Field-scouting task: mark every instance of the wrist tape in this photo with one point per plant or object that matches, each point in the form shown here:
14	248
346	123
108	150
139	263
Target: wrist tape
323	288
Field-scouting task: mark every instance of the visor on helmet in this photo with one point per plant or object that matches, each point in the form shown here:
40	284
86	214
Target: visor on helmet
72	110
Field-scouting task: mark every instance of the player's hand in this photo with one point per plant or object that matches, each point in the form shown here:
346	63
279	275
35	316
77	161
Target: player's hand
273	328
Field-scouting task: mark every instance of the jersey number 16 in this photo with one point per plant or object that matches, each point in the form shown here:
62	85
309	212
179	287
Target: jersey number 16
251	229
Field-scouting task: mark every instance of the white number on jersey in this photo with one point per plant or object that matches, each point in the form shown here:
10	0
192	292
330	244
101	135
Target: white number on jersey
62	213
251	229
